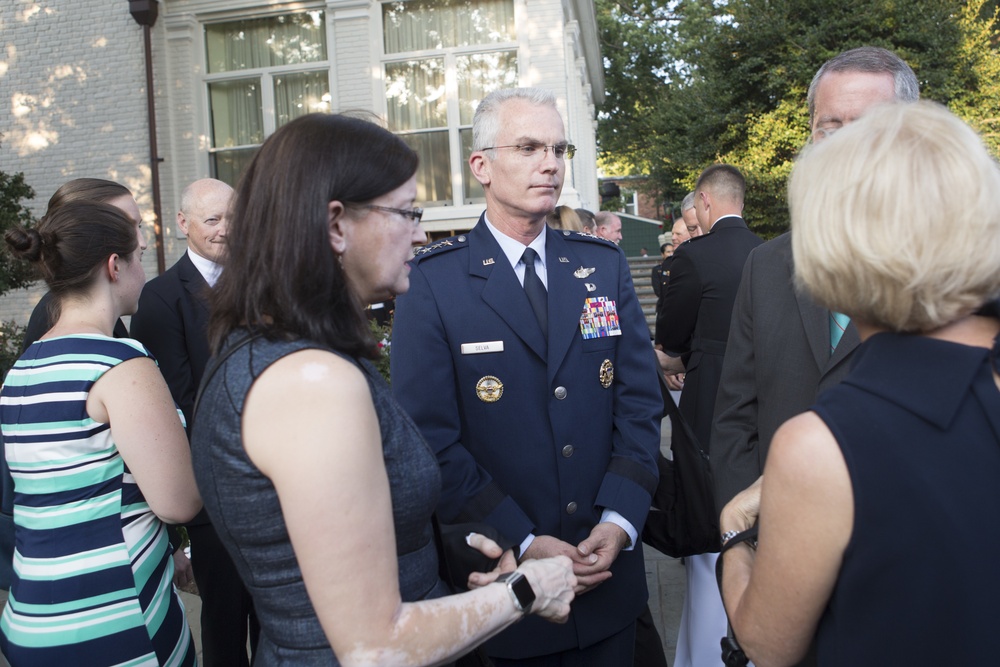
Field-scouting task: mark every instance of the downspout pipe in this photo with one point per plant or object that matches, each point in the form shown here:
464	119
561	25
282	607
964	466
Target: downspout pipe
145	12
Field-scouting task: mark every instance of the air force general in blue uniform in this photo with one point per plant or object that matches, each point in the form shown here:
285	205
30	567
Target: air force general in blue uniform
544	437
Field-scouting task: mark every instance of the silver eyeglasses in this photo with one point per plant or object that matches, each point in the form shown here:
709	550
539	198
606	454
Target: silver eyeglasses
537	151
413	214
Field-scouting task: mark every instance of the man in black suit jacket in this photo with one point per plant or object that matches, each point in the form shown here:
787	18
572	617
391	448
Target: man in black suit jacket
172	321
779	356
694	322
704	278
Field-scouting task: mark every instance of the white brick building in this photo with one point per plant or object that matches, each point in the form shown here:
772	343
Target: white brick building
226	73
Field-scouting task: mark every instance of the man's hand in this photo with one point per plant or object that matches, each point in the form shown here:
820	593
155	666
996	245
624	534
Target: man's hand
600	550
183	573
545	546
669	365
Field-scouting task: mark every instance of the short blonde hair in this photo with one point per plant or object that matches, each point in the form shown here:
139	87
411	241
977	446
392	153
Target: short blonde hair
866	219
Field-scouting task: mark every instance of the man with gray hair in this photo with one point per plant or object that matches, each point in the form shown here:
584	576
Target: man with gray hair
689	217
783	348
520	330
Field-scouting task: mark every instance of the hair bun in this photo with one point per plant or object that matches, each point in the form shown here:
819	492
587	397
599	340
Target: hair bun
24	243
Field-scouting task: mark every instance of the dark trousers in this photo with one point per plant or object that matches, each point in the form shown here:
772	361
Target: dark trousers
615	651
227	617
648	647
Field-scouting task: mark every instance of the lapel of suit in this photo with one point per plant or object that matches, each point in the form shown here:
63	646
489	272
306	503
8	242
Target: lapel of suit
848	342
501	290
815	322
194	283
566	296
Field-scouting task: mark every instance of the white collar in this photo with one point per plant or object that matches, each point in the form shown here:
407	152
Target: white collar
208	269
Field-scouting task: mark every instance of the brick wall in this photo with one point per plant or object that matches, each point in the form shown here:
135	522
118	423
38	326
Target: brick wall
74	93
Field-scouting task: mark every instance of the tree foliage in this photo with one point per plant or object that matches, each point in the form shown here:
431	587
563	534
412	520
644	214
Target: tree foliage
692	82
14	273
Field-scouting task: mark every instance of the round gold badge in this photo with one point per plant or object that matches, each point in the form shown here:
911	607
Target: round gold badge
607	373
489	389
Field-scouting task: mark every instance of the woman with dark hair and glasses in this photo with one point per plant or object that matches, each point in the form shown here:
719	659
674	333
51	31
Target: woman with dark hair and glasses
318	483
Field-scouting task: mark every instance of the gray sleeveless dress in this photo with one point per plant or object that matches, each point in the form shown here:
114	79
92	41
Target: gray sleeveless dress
244	507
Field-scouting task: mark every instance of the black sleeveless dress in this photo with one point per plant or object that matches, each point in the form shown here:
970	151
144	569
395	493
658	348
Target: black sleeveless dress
918	421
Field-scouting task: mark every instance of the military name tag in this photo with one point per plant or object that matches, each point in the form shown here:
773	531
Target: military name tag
482	348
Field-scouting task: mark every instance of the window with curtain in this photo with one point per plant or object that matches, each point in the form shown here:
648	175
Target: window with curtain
261	73
441	58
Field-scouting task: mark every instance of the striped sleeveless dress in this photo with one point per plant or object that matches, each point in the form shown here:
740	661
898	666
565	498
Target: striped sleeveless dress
93	573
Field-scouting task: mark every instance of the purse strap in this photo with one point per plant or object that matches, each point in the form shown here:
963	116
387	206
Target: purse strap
214	365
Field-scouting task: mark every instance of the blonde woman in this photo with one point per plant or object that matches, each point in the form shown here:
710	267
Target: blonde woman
877	509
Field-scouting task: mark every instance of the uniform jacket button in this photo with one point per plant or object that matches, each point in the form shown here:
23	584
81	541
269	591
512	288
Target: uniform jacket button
567	451
560	393
571	508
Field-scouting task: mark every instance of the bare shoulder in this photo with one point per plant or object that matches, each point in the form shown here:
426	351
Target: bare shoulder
801	439
805	460
311	375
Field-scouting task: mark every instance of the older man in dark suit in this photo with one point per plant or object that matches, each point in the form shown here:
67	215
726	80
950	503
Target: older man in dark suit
784	348
172	321
522	354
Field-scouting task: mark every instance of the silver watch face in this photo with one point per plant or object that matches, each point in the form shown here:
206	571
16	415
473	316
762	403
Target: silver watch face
520	589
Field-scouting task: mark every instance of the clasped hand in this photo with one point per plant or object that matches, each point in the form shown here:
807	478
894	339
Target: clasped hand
551	579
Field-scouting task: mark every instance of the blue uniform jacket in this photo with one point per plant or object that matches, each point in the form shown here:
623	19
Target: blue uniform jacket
558	446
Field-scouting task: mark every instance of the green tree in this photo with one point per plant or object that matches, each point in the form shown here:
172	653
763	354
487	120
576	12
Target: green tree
14	273
718	80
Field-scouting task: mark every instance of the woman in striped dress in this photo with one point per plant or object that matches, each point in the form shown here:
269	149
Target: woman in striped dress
99	460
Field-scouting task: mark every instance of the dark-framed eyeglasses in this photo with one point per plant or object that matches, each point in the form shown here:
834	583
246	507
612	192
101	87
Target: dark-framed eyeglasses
413	214
537	151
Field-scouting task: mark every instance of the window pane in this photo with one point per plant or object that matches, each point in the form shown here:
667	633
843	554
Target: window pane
472	191
237	119
298	94
228	165
266	42
435	24
434	173
481	74
415	94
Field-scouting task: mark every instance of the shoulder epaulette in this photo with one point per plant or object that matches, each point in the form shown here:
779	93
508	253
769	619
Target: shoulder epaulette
587	236
441	246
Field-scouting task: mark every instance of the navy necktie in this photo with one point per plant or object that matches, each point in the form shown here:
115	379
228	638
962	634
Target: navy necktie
535	290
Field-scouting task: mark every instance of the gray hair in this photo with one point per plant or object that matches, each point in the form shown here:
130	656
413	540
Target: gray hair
874	60
687	202
486	121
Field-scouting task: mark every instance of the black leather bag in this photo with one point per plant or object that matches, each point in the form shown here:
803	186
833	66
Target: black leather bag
683	520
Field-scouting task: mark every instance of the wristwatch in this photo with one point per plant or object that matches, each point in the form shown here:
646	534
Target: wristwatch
520	590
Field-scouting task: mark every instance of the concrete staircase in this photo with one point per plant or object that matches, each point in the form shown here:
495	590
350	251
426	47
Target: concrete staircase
641	268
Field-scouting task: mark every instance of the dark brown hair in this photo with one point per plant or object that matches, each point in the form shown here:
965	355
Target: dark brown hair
72	242
282	277
89	189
